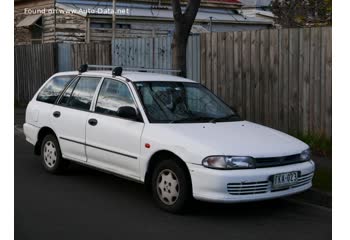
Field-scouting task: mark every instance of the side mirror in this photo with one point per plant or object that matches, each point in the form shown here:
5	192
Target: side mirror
127	112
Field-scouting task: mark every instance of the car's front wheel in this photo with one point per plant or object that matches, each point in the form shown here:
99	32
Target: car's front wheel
171	186
51	155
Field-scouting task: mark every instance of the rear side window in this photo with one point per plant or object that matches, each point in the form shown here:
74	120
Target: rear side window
80	96
53	89
67	93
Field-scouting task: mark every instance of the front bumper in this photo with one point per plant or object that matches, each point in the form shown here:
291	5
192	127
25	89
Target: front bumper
246	185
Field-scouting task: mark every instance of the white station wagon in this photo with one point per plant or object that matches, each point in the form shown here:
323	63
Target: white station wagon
167	132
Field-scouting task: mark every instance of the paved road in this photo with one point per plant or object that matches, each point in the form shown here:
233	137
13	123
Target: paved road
87	204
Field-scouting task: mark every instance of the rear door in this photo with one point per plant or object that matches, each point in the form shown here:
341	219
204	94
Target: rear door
113	142
69	117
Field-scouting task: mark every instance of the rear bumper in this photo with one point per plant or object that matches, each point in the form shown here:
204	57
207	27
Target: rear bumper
31	133
230	186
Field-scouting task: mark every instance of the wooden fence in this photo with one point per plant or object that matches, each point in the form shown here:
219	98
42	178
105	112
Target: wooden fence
280	78
33	65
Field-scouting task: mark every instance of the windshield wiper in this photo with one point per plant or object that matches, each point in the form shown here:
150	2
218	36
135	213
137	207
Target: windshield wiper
228	117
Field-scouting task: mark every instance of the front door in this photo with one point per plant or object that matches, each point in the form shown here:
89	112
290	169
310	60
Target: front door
113	142
70	115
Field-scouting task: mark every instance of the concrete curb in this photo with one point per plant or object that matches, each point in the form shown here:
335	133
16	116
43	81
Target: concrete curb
316	197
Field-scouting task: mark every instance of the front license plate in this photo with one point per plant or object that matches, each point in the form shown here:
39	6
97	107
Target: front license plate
284	179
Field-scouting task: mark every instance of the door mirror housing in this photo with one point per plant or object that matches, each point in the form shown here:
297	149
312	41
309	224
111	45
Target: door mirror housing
128	112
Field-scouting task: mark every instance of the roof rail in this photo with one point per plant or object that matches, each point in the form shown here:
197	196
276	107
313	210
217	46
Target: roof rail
140	69
86	67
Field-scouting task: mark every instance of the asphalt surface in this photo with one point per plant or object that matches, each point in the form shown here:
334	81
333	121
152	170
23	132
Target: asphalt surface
88	204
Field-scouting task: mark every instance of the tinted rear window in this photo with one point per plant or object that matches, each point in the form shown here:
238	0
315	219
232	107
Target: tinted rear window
53	89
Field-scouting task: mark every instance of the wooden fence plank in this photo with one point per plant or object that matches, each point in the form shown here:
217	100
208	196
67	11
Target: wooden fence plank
317	107
221	82
323	80
328	79
293	81
254	74
246	74
273	77
229	68
214	55
208	59
202	78
284	80
314	79
263	73
237	71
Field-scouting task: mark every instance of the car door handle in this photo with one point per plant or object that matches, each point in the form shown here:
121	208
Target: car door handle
56	114
92	122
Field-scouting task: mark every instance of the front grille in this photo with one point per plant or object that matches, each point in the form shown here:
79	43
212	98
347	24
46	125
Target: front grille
277	161
246	188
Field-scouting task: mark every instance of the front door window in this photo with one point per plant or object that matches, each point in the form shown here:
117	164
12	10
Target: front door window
113	95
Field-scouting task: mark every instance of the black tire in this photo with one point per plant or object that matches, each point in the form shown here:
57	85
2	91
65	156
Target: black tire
53	163
184	188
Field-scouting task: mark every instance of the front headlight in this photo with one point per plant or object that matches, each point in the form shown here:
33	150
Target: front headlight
228	162
305	155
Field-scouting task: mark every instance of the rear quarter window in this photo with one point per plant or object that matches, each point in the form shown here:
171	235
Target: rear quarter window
53	89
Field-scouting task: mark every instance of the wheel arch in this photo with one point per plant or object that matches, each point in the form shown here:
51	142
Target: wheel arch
44	131
159	156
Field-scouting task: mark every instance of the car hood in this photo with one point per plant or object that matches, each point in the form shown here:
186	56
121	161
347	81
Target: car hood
240	138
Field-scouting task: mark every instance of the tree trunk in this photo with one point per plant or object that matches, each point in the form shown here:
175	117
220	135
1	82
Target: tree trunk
183	25
179	46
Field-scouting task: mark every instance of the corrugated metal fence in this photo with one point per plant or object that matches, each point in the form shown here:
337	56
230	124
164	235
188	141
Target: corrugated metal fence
71	56
155	53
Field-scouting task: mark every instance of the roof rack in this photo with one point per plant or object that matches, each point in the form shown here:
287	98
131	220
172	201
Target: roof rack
117	71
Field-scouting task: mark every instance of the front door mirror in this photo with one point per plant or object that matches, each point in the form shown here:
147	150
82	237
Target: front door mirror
127	112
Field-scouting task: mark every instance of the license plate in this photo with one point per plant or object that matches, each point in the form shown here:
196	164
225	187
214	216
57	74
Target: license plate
284	179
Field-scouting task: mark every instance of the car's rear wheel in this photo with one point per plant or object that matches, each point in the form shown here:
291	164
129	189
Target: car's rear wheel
171	186
51	155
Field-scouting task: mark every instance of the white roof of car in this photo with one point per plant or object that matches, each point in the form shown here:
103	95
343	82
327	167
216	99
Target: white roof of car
132	76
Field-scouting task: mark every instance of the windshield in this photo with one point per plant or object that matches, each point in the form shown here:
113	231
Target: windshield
182	102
